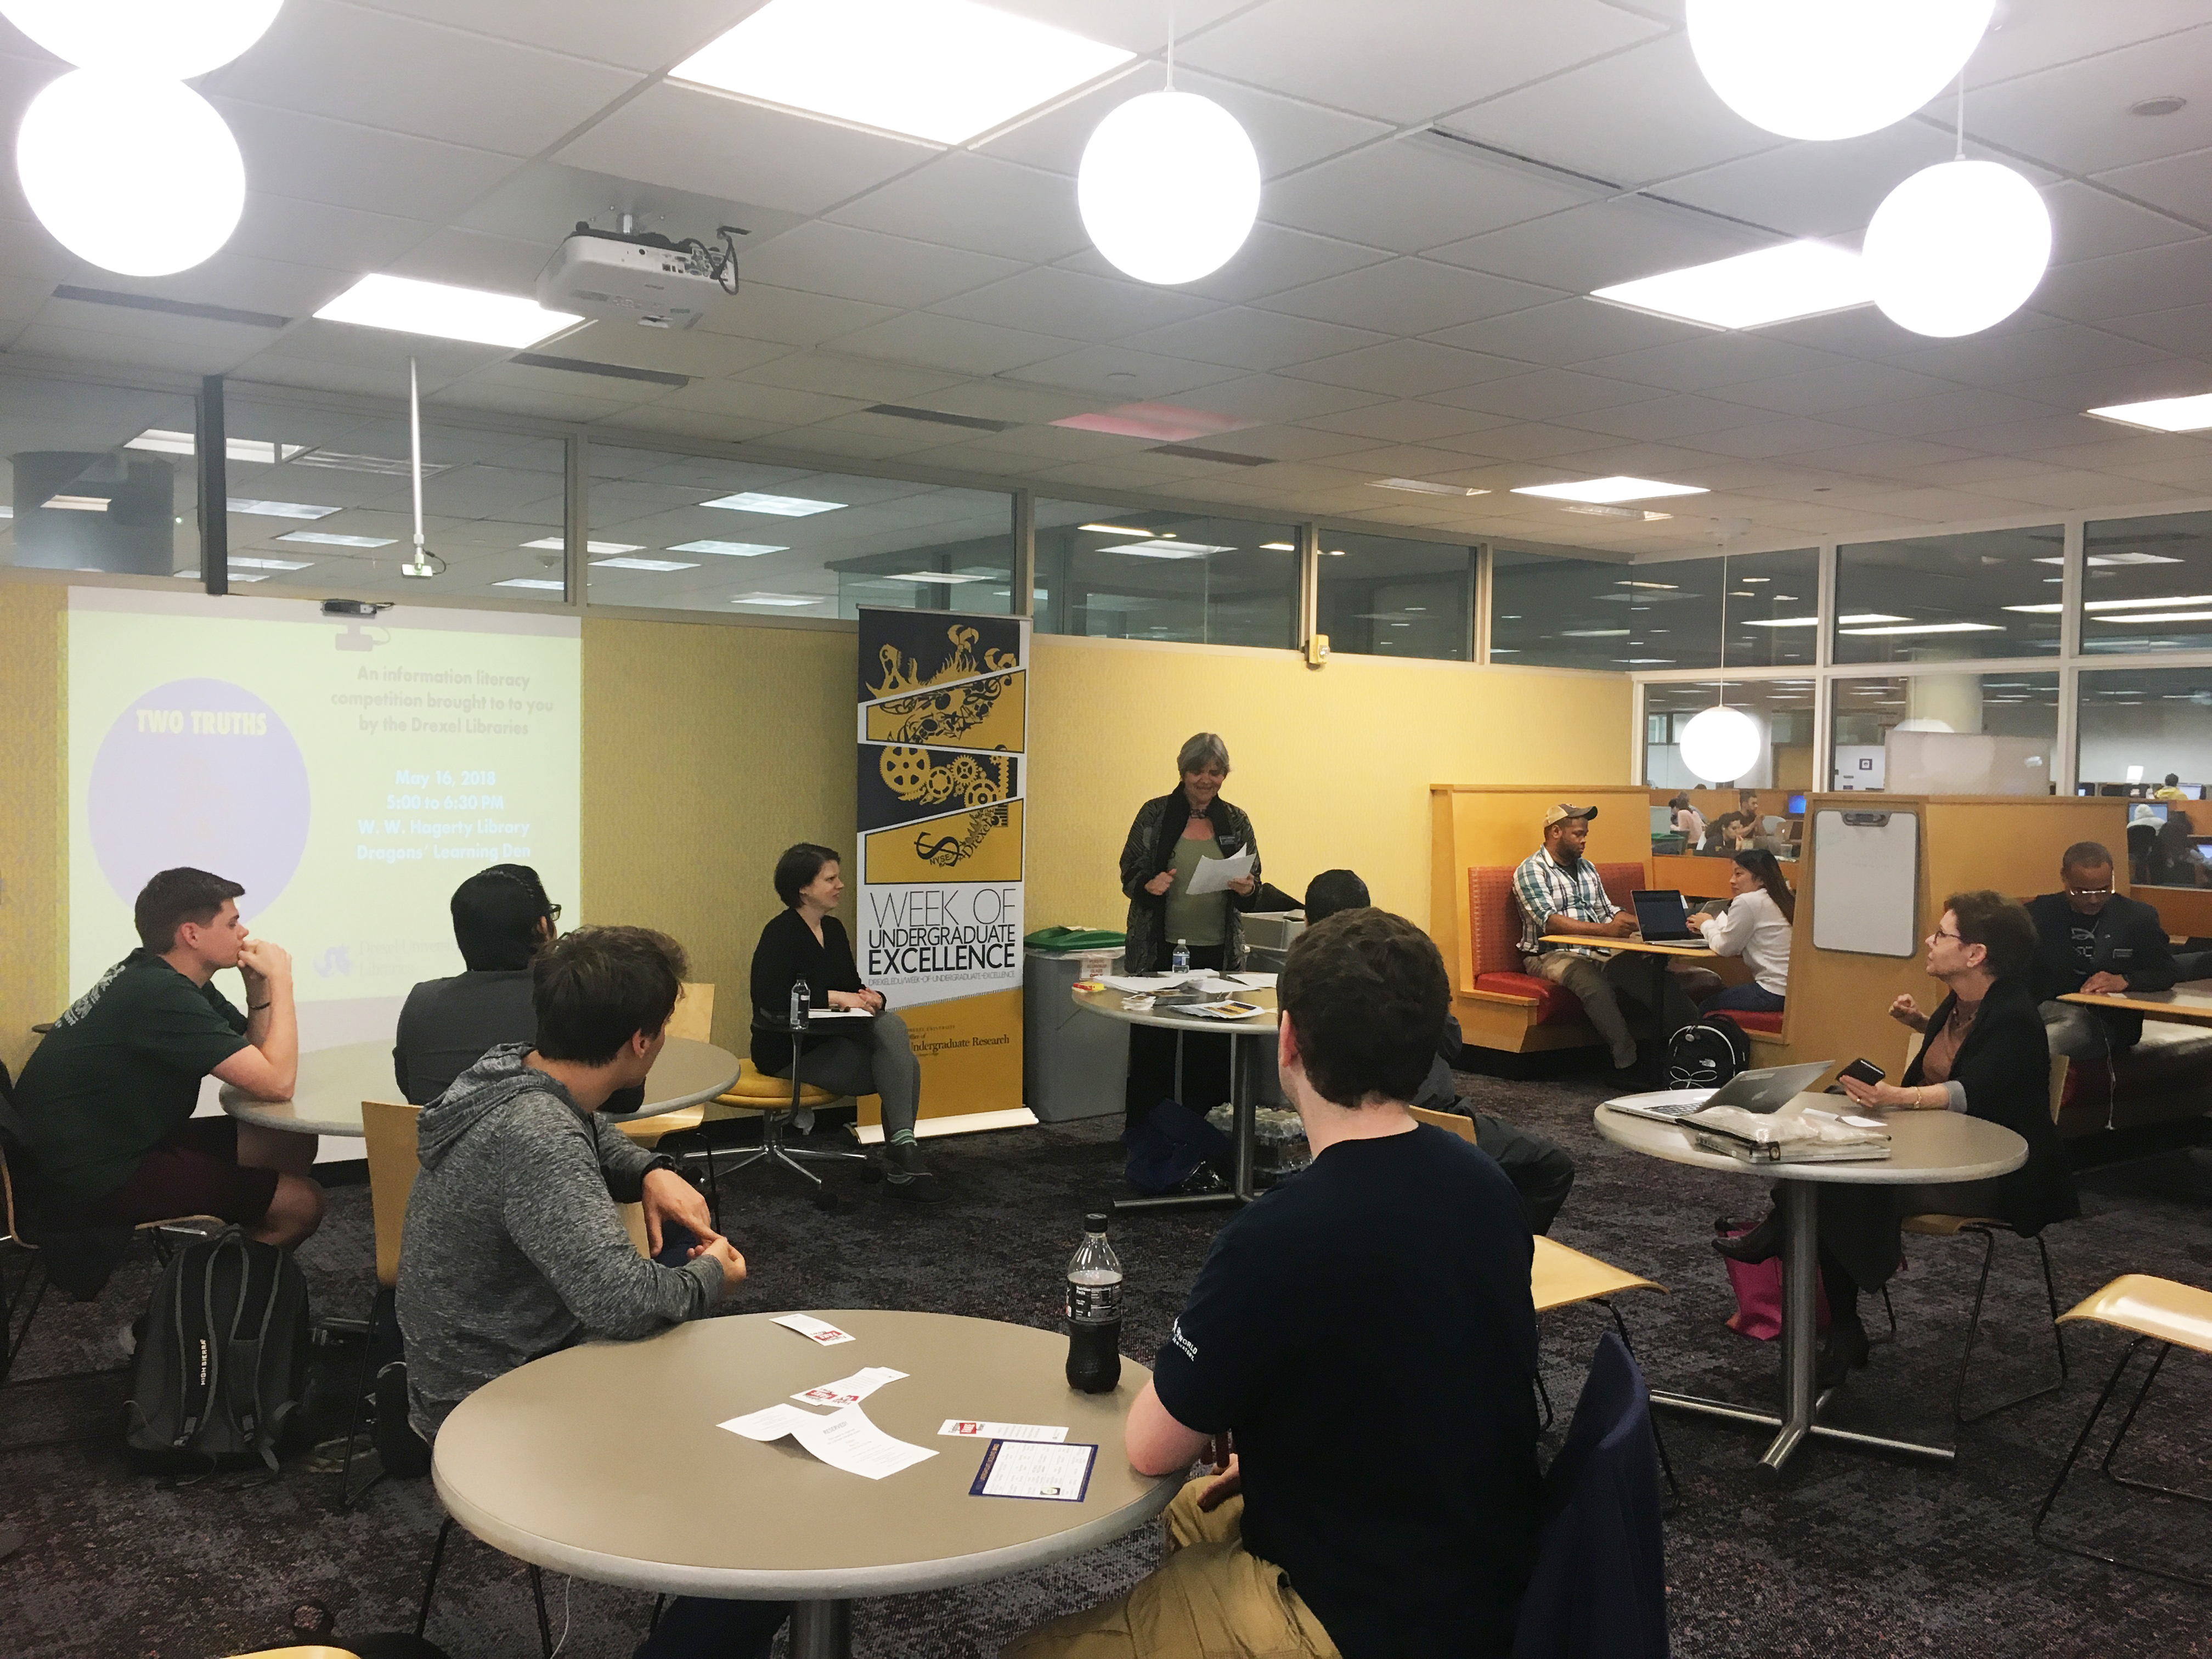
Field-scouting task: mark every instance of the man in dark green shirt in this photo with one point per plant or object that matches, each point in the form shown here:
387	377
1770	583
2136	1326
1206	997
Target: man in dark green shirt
107	1097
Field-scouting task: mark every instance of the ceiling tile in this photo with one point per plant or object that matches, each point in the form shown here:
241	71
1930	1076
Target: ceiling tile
350	64
2089	221
1412	58
1409	193
2185	331
853	377
699	140
2129	284
1528	441
1710	357
289	153
189	345
933	342
1141	29
471	258
1551	394
634	37
1406	422
1405	368
1571	331
792	315
751	400
1245	338
1828	190
1677	416
2178	183
1932	416
1118	372
1274	397
2023	349
2076	115
1603	243
965	199
822	258
1273	258
1409	296
343	238
1778	437
1834	387
1079	307
2030	37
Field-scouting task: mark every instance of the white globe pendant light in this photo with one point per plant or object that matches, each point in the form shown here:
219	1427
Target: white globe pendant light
1169	187
1720	745
1832	69
136	174
1957	247
175	40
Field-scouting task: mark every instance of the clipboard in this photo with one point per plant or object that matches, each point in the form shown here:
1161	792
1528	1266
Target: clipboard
1866	881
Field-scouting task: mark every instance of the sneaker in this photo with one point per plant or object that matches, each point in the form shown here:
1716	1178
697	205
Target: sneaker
908	1177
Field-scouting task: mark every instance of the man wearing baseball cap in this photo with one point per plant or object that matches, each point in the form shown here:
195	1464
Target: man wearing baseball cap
1559	892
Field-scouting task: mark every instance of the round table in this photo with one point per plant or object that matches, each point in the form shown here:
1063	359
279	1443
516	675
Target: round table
1243	1098
535	1465
333	1082
1924	1147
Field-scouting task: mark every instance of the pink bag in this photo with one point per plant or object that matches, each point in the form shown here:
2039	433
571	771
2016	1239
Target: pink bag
1758	1294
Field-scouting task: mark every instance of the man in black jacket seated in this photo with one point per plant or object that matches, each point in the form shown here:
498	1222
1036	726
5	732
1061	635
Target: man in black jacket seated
2090	938
1541	1172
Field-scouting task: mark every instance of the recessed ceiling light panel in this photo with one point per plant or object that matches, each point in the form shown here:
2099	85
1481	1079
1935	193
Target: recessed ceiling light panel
331	539
944	71
729	550
1797	279
1606	490
642	564
1422	487
439	309
2191	414
555	545
279	509
783	507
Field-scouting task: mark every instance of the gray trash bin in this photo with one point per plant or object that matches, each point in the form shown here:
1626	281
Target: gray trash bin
1073	1064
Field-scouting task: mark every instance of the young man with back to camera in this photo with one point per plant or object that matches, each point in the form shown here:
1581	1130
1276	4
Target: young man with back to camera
514	1246
108	1097
501	918
1365	1336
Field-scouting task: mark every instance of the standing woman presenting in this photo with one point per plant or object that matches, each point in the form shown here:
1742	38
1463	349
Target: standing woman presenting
1170	834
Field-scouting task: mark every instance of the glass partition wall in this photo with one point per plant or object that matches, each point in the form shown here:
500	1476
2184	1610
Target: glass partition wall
1120	573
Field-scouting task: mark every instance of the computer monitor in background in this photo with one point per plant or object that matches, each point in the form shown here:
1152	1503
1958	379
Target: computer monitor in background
2147	809
1663	820
2194	790
1796	807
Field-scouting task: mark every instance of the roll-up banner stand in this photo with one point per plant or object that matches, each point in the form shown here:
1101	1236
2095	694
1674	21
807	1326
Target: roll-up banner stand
943	735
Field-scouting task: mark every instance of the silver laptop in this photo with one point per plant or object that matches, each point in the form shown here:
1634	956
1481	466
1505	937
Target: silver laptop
1766	1089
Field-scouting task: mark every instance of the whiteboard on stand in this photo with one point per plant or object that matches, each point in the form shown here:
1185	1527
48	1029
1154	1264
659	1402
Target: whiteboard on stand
1866	874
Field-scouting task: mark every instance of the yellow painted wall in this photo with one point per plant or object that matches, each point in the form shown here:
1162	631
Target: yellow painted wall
33	894
1333	763
708	749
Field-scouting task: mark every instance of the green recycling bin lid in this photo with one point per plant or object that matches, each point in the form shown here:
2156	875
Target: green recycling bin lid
1075	938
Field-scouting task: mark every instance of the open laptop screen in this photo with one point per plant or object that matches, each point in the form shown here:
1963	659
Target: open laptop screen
1661	915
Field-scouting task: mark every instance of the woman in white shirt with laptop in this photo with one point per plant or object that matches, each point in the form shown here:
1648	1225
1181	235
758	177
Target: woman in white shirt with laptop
1755	927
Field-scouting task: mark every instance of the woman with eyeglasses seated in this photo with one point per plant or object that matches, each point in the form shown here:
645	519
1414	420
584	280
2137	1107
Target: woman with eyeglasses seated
1985	1055
500	916
1755	927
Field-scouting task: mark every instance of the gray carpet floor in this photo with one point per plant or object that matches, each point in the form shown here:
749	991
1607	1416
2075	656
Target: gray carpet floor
1848	1555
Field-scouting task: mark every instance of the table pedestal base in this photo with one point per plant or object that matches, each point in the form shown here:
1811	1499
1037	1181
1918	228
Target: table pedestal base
822	1630
1244	1104
1798	1421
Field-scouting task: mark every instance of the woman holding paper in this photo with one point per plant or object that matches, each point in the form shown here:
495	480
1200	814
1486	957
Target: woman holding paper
1170	842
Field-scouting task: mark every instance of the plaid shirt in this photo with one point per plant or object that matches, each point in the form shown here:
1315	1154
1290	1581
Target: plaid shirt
1545	890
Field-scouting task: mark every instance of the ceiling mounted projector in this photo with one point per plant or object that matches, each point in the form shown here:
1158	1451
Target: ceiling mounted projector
629	275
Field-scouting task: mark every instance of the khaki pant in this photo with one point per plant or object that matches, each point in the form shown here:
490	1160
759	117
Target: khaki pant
1210	1599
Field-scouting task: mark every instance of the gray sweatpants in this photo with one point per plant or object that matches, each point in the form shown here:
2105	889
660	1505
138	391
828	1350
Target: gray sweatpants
882	1063
1602	986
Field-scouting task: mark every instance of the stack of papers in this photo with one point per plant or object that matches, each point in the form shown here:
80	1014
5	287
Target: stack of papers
849	1391
1214	875
844	1439
1811	1137
813	1329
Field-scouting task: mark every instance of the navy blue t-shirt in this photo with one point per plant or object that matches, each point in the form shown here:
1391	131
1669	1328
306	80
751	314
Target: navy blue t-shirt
1366	1331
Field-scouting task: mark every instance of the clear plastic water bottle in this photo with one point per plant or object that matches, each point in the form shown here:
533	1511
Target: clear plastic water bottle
802	1003
1180	962
1094	1312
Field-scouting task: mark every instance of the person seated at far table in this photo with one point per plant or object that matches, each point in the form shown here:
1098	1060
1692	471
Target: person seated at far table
1688	822
513	1247
804	943
500	916
2170	790
1541	1172
1364	1341
107	1097
2091	939
1559	892
1985	1056
1756	927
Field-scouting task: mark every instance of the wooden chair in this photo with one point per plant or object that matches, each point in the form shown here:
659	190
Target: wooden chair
2150	1310
1559	1277
1986	1228
388	1137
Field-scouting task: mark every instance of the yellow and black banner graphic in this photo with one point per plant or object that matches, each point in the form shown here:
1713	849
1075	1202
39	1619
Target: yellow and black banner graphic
942	731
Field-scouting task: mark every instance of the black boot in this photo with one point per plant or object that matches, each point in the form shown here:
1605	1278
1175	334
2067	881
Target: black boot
1762	1244
1843	1349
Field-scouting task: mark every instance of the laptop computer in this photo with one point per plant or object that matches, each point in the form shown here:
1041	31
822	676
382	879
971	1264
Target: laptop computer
1662	917
1766	1089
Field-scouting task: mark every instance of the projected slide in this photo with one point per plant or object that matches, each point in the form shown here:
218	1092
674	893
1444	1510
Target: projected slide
348	773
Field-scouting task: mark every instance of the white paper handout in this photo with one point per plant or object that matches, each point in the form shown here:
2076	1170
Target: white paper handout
813	1329
1140	984
1025	1469
849	1391
845	1439
1214	875
773	1424
968	1429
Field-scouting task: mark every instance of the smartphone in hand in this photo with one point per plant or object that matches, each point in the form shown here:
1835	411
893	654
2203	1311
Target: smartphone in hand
1865	1070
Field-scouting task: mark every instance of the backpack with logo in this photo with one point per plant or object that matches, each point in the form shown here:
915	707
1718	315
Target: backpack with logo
224	1363
1706	1053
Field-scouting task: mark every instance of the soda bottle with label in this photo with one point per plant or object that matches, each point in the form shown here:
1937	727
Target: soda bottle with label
1180	962
1094	1312
802	1003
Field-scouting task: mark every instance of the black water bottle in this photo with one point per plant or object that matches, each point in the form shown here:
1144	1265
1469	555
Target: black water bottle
1094	1311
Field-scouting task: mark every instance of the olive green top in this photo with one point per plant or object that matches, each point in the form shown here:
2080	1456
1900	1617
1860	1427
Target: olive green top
1200	920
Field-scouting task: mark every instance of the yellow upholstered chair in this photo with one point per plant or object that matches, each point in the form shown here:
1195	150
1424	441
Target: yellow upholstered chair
2151	1310
1559	1277
1986	1229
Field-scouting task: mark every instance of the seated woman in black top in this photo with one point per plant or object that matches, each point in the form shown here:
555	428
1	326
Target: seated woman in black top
1985	1055
875	1058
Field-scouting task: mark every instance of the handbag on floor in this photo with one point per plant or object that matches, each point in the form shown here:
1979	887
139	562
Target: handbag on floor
224	1363
1758	1286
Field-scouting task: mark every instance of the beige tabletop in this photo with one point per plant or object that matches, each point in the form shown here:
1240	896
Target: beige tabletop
333	1082
539	1464
2191	1000
1596	942
1109	1003
1924	1146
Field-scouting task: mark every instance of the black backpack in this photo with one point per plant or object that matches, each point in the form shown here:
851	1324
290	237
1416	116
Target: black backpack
1706	1053
223	1363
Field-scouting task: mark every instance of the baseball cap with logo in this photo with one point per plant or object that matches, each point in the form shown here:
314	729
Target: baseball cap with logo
1562	811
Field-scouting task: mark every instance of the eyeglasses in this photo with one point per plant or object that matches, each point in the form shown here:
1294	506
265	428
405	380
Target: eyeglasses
553	913
2089	892
1940	933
